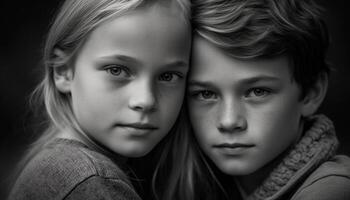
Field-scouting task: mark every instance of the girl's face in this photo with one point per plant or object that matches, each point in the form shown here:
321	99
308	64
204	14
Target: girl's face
129	79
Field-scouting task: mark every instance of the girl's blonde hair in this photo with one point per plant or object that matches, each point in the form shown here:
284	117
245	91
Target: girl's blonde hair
74	22
183	171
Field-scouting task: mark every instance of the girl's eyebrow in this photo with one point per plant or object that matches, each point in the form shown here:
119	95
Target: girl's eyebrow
177	64
123	58
129	59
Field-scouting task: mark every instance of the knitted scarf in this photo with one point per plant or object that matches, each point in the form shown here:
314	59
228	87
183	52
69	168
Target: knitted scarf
317	145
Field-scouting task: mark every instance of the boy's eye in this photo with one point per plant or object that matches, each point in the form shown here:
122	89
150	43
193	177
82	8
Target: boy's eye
170	77
258	92
205	95
118	71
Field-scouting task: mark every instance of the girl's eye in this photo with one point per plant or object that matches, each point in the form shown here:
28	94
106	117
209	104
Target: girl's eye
205	95
118	71
170	77
258	92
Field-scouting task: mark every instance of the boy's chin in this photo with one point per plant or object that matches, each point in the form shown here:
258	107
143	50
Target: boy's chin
236	168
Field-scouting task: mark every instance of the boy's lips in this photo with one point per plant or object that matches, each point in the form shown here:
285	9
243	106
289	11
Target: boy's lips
233	145
232	149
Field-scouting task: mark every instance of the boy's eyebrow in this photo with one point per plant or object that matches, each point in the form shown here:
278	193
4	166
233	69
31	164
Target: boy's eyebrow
205	84
255	79
129	59
249	80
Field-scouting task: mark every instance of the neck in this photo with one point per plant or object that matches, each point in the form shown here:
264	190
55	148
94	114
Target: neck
83	138
249	183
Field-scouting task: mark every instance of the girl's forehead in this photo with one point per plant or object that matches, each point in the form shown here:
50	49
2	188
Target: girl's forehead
150	37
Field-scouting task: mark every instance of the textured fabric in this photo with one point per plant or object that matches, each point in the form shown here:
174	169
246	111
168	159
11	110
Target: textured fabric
97	187
308	166
67	169
330	181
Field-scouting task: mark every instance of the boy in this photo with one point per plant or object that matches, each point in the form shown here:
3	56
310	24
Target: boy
258	76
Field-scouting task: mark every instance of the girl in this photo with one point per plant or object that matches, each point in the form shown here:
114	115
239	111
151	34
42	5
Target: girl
114	83
258	75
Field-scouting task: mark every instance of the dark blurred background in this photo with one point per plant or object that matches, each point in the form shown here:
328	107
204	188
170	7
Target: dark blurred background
23	28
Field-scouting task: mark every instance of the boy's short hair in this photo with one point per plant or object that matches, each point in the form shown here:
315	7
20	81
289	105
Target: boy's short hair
262	29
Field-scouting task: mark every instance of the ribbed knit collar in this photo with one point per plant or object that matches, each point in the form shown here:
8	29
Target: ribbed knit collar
317	145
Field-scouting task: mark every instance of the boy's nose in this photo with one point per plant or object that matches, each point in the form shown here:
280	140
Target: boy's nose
143	98
231	118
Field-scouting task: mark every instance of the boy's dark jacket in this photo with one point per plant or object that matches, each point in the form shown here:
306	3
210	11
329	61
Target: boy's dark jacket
310	170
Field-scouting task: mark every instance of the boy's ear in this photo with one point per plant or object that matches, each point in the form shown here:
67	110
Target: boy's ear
63	75
315	96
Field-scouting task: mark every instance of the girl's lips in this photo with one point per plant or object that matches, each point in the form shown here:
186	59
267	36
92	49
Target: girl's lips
136	129
144	126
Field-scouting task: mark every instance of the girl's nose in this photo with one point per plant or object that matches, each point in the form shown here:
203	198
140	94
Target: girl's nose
231	118
143	98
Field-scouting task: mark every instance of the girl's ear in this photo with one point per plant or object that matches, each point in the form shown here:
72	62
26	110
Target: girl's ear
315	96
63	75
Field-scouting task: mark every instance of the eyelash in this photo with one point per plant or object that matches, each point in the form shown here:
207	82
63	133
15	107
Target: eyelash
251	93
199	95
124	69
179	76
121	69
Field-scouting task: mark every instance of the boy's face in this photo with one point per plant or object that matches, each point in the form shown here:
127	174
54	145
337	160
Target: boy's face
129	79
244	113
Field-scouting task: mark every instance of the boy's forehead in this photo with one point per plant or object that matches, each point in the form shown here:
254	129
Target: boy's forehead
209	63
